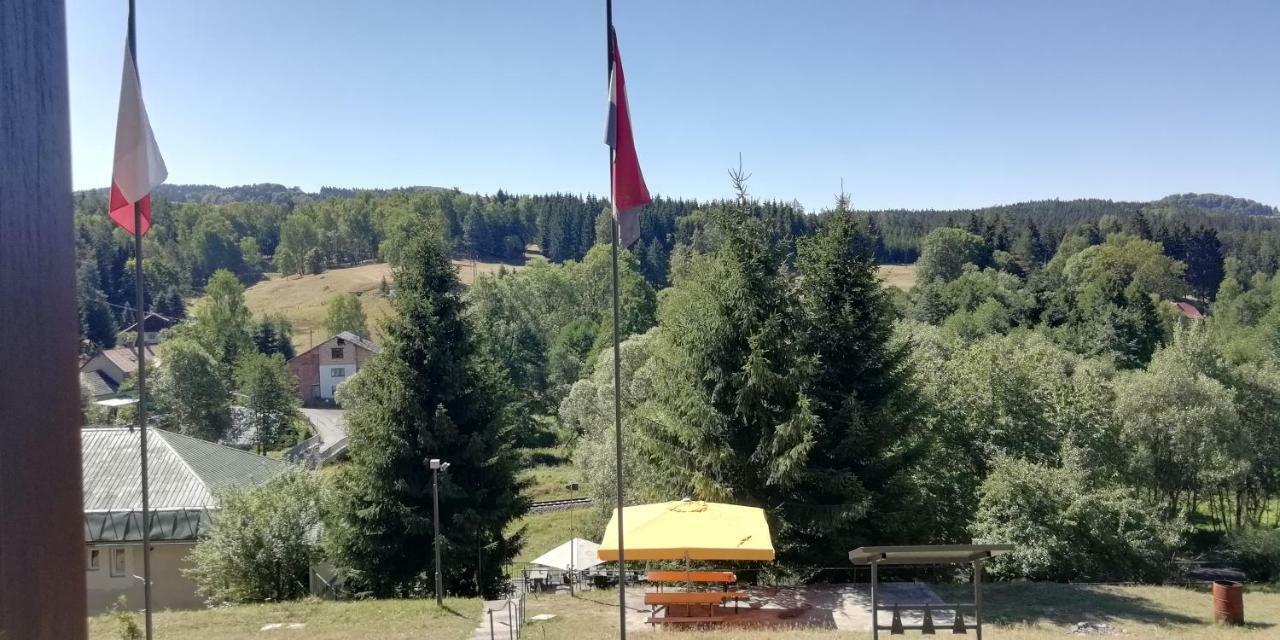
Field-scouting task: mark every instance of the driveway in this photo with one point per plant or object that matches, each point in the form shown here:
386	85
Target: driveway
329	424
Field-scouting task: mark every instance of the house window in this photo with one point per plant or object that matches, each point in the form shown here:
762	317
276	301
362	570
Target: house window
95	559
341	341
338	372
118	560
336	354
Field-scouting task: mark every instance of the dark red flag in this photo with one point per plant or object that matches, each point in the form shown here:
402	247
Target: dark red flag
629	190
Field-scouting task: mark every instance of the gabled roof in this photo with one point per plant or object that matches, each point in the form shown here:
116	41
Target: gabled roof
363	343
1188	310
153	322
184	473
126	358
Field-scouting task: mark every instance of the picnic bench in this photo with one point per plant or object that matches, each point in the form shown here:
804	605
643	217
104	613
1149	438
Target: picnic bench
715	577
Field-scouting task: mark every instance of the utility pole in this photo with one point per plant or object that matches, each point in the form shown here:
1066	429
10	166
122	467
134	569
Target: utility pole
436	467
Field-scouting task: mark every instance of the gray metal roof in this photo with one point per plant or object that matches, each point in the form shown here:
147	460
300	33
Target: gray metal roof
99	385
927	553
185	474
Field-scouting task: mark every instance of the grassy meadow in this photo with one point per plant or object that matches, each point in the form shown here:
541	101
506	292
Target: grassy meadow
901	276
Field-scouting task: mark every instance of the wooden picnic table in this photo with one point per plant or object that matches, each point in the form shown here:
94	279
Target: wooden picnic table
690	599
721	577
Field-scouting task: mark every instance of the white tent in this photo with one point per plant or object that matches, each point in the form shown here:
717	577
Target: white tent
576	554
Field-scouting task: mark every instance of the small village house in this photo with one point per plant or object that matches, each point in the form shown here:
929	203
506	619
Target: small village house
152	325
185	476
322	368
104	372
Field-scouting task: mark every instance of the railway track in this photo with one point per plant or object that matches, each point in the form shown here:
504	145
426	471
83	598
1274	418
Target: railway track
559	505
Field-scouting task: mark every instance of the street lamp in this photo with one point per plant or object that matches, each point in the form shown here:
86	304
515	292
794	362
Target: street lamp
436	467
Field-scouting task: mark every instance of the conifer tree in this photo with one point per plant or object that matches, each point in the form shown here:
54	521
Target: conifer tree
429	394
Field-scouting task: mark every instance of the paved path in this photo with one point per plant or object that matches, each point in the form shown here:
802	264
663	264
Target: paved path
329	424
502	629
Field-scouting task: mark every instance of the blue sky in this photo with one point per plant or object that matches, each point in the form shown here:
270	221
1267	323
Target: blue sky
914	104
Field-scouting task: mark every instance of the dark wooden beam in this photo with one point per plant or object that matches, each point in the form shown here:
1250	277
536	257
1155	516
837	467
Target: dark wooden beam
42	588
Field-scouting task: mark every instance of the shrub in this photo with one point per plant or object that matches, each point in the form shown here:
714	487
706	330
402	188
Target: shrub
263	542
1257	553
126	620
1067	528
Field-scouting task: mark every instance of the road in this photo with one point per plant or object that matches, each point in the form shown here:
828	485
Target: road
329	424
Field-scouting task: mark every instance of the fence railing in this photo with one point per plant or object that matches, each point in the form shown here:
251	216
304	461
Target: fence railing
514	612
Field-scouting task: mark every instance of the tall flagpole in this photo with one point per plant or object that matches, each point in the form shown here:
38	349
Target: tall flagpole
617	359
139	340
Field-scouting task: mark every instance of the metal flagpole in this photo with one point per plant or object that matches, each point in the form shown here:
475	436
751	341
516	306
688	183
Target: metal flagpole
617	360
139	340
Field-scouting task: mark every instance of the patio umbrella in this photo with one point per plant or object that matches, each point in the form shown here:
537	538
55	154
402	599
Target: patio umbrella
689	530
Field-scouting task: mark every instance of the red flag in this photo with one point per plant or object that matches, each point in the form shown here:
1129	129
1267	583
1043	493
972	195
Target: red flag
629	190
138	166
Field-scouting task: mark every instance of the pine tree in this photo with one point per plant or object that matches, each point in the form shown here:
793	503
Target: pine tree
729	420
429	394
860	394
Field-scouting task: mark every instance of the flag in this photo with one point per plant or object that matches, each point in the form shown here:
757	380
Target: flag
138	166
629	191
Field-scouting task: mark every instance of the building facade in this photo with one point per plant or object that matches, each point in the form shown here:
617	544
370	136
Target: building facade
322	368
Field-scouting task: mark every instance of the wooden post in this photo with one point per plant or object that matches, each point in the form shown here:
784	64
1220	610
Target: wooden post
977	598
42	552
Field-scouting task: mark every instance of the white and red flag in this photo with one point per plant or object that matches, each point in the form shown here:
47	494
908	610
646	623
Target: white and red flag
138	166
629	190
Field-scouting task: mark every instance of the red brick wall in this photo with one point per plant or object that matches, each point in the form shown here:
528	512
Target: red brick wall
306	368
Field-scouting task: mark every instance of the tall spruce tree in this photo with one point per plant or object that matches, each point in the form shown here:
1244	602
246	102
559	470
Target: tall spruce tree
429	394
729	420
861	394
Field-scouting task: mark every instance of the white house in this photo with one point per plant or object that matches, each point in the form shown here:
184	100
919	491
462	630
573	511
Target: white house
322	368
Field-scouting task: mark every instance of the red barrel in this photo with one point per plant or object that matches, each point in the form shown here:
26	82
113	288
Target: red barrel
1228	602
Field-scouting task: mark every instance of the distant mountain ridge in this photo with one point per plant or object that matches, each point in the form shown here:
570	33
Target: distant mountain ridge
1220	204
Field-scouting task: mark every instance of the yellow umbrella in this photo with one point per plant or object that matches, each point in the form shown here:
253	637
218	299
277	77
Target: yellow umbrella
689	530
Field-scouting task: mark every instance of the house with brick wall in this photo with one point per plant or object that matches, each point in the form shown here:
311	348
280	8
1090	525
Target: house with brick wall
322	368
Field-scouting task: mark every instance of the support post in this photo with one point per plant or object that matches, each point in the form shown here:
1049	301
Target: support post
875	602
435	519
977	598
42	552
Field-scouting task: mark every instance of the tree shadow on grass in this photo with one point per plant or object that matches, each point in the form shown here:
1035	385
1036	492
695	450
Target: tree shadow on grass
1067	604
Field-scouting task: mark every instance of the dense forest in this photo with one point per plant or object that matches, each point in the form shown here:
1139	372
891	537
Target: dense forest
252	229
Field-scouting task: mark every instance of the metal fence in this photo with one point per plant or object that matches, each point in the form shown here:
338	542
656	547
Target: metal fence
514	612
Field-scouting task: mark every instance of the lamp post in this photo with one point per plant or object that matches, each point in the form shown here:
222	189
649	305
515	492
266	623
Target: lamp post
436	467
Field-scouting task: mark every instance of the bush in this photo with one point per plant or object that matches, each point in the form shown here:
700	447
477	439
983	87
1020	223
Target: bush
126	620
1257	553
263	542
1066	528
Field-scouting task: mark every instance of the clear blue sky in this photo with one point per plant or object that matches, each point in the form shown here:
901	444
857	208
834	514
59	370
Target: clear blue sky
915	104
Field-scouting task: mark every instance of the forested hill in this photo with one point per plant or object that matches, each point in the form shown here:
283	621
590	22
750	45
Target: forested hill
253	229
266	192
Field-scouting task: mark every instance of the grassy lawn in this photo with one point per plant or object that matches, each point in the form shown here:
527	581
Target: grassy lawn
902	276
383	619
1015	611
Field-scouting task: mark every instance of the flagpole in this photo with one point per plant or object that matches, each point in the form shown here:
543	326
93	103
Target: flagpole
139	283
617	358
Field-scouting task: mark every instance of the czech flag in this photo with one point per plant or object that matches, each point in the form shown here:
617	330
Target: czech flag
629	190
138	166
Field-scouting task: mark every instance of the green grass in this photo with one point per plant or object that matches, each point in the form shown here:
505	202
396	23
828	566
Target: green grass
383	619
546	531
1014	611
549	482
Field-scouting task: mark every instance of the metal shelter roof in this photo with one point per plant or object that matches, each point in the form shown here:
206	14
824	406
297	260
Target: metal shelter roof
185	475
927	554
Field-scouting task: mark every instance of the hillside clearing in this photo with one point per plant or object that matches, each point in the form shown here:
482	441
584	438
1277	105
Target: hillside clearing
901	276
302	299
